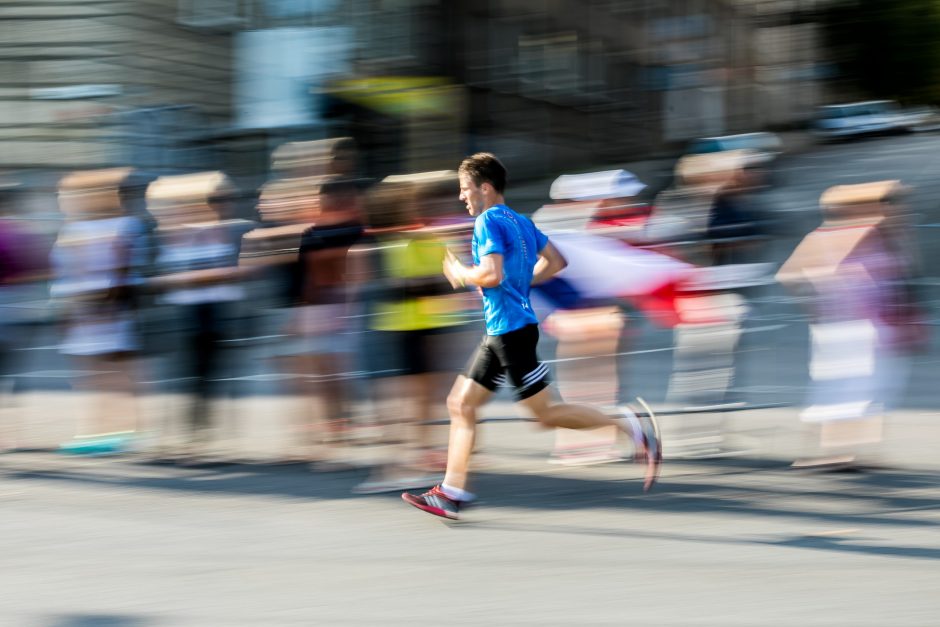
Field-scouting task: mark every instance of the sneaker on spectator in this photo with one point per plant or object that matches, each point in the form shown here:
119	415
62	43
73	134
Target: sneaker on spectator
650	450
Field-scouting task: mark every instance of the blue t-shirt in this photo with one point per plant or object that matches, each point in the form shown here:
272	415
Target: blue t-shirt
501	230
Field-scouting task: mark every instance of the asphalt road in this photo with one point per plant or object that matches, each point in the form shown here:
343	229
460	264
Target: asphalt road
743	541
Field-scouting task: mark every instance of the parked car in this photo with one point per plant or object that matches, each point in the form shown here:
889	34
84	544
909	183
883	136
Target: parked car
922	119
860	118
764	146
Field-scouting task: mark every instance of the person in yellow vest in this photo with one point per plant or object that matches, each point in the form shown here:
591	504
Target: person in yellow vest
411	307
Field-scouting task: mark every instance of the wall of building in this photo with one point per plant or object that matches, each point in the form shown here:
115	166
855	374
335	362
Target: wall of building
82	80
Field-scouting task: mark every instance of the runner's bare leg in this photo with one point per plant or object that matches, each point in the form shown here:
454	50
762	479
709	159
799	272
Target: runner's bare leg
463	404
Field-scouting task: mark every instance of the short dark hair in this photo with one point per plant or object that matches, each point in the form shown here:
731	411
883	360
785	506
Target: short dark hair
484	167
339	186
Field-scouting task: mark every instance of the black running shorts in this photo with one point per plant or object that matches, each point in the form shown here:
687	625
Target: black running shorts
510	359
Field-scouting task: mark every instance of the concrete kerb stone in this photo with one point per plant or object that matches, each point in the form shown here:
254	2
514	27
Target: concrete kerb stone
259	427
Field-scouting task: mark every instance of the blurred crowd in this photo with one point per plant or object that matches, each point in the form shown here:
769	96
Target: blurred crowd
334	282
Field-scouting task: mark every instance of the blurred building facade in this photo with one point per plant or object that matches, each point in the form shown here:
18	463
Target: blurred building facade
547	83
789	60
563	80
94	83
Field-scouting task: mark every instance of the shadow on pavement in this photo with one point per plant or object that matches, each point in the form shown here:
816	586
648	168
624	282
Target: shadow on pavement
843	545
842	499
856	545
760	490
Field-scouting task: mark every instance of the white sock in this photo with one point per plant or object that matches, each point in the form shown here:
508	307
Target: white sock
631	425
457	494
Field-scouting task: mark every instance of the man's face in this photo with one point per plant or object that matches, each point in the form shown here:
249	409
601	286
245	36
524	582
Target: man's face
472	195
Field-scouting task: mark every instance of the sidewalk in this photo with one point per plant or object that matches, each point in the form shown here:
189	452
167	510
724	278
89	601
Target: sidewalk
257	428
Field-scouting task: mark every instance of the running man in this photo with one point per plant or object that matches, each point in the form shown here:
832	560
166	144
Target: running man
510	254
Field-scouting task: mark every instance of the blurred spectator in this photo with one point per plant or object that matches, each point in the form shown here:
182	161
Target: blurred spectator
853	270
412	305
313	193
20	268
678	224
709	218
321	323
736	225
197	273
588	330
404	281
93	278
621	211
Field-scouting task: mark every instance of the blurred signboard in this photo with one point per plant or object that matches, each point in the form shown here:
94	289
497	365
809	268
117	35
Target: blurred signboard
400	95
427	114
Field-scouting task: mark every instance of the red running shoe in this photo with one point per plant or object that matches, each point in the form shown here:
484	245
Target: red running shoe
434	501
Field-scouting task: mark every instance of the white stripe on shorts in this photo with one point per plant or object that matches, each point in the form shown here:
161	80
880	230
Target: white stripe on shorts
536	374
534	377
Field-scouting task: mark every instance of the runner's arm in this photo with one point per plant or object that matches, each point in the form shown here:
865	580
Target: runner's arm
488	274
550	263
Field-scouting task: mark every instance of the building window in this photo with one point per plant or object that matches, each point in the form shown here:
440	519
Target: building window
295	12
388	31
213	13
549	63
